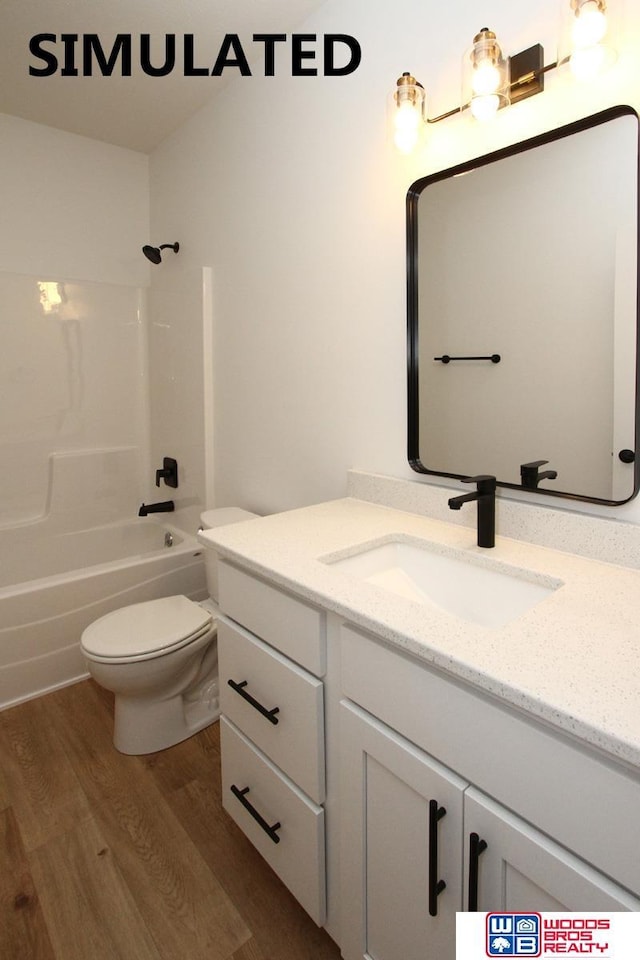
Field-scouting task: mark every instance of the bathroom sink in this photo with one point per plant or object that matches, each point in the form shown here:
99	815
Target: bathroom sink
483	591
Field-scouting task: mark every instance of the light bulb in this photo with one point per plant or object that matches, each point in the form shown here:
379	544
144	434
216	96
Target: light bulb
486	107
485	78
588	62
589	26
407	121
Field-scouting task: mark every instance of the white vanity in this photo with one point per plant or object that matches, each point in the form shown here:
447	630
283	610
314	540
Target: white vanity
396	762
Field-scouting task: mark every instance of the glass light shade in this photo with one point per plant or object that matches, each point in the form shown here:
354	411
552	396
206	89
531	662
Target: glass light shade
588	47
485	76
484	108
589	24
408	112
588	62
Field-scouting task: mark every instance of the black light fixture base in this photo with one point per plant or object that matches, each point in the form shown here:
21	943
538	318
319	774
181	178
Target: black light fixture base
527	73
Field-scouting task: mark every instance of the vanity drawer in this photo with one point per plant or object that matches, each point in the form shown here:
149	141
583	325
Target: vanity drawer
293	736
283	621
295	848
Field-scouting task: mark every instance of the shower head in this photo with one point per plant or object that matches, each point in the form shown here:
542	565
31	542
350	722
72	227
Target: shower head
153	253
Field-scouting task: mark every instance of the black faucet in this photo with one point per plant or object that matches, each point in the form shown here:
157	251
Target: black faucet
531	476
165	506
486	497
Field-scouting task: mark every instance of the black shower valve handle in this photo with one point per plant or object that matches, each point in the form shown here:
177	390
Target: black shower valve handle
168	472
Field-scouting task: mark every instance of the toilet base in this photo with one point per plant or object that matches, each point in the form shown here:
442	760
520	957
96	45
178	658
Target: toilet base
141	726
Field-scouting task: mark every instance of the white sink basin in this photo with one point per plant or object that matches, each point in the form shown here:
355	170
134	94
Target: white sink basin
482	591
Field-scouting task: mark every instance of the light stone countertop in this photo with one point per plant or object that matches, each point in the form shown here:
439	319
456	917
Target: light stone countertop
572	661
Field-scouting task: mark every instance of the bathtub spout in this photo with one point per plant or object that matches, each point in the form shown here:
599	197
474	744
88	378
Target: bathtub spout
165	506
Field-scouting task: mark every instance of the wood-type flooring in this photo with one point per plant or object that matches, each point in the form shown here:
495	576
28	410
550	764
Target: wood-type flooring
109	857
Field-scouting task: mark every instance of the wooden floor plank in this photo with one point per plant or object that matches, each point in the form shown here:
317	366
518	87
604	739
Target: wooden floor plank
250	951
23	930
180	899
84	725
46	797
5	799
134	857
190	760
280	926
88	909
178	896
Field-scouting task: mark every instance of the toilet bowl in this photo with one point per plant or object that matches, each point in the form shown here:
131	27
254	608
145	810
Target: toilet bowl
160	660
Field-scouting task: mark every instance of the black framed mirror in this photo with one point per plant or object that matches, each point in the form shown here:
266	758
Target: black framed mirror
522	281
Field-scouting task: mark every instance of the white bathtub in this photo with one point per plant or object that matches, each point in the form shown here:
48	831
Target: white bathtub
53	586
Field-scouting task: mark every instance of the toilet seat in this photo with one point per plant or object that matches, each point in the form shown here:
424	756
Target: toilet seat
146	630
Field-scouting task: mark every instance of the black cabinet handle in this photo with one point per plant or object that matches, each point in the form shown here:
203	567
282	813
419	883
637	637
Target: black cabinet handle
239	688
435	886
269	830
476	847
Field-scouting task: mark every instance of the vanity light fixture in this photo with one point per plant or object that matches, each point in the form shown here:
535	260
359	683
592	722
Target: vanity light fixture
491	81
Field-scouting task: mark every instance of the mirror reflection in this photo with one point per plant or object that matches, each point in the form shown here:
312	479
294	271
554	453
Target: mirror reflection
523	313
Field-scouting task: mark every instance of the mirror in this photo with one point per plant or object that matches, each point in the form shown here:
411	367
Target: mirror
523	270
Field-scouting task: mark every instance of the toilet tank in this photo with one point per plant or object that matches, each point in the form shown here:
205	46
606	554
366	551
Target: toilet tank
219	518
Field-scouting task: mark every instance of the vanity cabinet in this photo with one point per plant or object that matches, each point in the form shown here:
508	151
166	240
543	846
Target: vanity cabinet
388	796
397	852
272	729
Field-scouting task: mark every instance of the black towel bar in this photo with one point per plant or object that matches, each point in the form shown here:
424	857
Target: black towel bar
445	358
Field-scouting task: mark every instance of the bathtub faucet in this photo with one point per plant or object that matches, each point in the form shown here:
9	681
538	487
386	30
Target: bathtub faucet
165	506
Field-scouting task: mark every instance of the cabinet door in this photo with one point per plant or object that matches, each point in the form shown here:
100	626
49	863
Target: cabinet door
522	870
400	853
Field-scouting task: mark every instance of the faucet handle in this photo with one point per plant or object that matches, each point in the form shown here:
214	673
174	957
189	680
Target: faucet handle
485	481
531	476
168	472
533	465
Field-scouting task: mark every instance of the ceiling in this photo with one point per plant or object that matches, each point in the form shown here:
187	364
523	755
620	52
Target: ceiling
137	111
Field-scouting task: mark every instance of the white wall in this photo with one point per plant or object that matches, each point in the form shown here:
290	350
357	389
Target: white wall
72	207
290	190
75	213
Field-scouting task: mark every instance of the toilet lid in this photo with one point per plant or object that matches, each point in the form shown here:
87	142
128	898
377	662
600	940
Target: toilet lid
146	628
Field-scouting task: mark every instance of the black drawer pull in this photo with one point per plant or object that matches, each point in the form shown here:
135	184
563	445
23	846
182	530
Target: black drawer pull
436	886
476	847
239	688
269	830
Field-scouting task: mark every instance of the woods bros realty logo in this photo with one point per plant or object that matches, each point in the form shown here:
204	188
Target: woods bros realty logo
531	935
86	55
547	935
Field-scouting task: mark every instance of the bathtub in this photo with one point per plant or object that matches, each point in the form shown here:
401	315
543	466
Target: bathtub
53	586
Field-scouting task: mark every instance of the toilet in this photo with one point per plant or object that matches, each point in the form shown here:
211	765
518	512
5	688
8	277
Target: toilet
160	659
